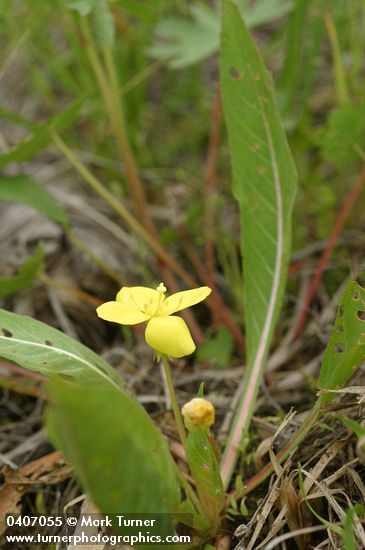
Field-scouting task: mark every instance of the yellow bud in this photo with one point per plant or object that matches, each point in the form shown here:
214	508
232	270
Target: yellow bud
198	413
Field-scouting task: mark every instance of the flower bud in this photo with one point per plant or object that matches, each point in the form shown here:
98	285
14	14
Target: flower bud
198	413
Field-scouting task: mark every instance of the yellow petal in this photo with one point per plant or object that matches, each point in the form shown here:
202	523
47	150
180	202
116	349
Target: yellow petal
170	336
139	296
184	299
120	313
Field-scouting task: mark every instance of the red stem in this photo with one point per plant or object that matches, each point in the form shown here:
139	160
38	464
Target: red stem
316	279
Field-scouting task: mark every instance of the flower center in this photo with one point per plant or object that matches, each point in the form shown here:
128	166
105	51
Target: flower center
153	307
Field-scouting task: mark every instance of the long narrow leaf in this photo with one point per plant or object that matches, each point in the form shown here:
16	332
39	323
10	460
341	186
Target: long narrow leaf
41	137
23	190
26	275
264	186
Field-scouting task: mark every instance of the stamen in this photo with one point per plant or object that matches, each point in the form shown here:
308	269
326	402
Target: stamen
161	288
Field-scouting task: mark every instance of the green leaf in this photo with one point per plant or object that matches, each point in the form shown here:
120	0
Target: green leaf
243	508
218	349
239	486
204	467
15	118
343	139
150	11
120	457
200	392
305	32
357	428
348	537
103	19
192	518
23	190
83	7
346	348
265	11
26	275
264	184
104	23
40	348
183	42
40	137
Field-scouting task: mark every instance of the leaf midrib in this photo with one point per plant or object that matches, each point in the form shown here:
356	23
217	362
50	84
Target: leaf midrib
261	348
62	352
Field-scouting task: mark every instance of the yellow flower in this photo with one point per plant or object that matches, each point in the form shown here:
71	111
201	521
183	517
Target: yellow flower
165	333
198	413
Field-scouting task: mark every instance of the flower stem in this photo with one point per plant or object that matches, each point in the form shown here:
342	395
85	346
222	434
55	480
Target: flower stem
175	406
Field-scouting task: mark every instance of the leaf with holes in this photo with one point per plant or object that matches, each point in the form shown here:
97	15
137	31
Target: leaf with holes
346	349
264	184
40	348
120	457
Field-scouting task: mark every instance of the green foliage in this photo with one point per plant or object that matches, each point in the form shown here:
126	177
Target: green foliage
305	33
264	184
264	177
348	537
201	454
218	349
40	348
183	42
359	431
17	119
23	190
143	9
343	139
192	518
346	348
104	23
357	428
120	457
140	8
168	133
26	275
200	392
103	19
40	137
83	7
264	11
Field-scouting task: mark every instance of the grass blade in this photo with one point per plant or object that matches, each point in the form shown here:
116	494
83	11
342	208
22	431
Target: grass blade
23	190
